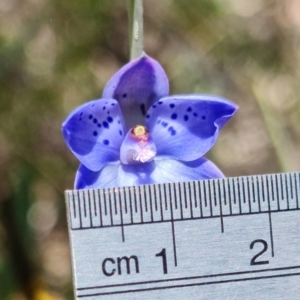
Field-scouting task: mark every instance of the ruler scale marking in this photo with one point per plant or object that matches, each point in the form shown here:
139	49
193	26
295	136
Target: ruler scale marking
239	193
297	181
145	198
204	192
135	199
110	209
141	203
220	204
289	190
173	235
155	199
277	192
165	197
256	192
213	193
231	195
105	206
100	209
270	224
259	195
188	186
150	202
74	206
122	224
280	179
130	203
94	201
194	193
90	208
161	205
79	209
209	196
225	200
199	193
183	194
286	191
248	193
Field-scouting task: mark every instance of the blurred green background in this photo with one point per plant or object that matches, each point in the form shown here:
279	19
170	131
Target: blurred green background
58	54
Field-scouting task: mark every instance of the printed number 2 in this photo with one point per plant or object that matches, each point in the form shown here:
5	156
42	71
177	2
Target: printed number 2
254	258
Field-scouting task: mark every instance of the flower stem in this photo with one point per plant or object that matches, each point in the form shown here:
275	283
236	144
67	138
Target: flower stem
135	16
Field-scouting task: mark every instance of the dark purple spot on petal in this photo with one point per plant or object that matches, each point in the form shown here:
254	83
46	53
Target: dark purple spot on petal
143	109
93	105
158	122
106	142
160	102
110	119
104	107
172	130
203	117
148	116
124	95
105	124
189	109
186	118
164	124
119	122
108	112
95	133
113	104
195	114
81	114
95	120
174	116
99	125
172	105
154	106
120	132
90	117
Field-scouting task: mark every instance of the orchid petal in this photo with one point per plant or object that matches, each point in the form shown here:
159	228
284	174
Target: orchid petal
136	87
94	133
167	170
170	170
130	175
185	127
114	175
106	177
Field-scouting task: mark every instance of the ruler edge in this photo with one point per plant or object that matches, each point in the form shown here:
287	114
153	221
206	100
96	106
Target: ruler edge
72	191
71	243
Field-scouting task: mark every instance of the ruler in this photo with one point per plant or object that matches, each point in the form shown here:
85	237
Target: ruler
233	238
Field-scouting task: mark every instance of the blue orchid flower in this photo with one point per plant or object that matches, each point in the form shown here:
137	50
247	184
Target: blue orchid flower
137	134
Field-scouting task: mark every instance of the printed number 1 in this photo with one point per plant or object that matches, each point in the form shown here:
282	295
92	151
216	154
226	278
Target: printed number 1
163	255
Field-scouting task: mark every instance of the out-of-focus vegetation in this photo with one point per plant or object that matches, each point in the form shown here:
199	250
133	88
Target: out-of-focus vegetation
55	55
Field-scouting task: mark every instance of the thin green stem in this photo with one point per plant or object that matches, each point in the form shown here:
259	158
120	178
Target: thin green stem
135	16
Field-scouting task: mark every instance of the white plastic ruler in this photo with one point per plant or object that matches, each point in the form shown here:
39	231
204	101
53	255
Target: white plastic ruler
234	238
